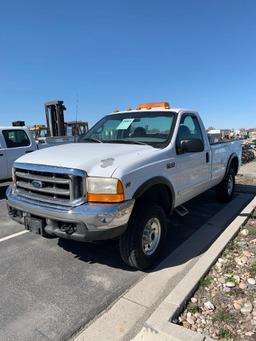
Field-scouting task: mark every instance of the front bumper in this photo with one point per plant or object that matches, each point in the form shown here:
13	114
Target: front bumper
86	222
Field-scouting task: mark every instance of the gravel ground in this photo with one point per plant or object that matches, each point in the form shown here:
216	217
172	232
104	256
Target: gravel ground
245	180
247	174
224	305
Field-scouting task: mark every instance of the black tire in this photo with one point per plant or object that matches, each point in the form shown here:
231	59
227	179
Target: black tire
131	242
223	191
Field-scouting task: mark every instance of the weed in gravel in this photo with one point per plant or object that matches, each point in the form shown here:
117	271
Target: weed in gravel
228	248
222	316
252	232
252	269
232	246
225	334
193	308
228	268
235	292
205	282
230	278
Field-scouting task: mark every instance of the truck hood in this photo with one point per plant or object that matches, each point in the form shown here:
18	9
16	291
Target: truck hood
97	159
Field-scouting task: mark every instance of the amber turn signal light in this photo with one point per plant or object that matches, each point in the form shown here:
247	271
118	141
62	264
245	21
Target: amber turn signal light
118	196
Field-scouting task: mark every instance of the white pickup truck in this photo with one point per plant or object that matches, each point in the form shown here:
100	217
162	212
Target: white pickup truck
14	142
130	171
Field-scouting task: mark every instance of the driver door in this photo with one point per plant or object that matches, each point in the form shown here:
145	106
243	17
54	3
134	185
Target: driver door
192	169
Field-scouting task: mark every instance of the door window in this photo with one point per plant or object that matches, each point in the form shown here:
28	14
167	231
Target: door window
193	126
16	138
189	129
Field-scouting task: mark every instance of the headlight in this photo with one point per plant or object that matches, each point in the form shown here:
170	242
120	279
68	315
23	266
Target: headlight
106	190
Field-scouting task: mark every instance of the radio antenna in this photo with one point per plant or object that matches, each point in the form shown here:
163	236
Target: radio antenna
77	104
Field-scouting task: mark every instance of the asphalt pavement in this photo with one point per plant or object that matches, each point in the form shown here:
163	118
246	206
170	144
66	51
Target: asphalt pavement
50	288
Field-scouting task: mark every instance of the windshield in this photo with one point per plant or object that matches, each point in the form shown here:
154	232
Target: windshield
152	128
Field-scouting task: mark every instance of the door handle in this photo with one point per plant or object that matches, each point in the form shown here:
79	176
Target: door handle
1	154
207	157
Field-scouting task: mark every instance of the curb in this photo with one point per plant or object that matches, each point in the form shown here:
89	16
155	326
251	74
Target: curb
159	325
127	315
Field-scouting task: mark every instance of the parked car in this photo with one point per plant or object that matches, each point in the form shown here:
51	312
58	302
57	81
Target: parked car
14	142
130	171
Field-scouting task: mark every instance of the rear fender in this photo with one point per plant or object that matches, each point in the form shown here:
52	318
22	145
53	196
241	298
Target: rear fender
232	157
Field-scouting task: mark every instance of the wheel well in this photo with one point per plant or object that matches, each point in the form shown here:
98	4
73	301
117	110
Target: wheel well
234	164
160	194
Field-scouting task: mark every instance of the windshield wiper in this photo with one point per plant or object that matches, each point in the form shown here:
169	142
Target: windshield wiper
125	141
92	139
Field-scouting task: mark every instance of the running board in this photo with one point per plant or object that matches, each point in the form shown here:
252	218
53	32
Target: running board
181	210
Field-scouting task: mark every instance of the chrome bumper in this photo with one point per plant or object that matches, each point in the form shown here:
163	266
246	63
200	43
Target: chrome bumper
91	218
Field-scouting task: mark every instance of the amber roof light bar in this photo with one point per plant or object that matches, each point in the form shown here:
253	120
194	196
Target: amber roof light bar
164	105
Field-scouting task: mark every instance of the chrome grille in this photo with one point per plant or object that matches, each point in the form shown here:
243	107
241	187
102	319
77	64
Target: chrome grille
55	185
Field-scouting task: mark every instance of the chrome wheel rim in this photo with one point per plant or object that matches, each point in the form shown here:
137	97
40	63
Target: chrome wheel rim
230	185
151	236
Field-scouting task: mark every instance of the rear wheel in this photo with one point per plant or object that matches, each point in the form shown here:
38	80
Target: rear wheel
225	190
143	240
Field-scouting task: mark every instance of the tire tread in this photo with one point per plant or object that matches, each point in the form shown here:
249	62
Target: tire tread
127	243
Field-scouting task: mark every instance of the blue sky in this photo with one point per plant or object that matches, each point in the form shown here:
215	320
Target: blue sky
199	54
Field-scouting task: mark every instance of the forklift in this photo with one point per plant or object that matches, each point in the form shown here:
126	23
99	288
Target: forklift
57	130
76	128
54	112
39	131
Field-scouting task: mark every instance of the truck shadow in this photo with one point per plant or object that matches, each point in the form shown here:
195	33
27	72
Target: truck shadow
201	210
3	188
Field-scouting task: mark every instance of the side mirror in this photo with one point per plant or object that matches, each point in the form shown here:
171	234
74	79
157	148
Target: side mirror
192	146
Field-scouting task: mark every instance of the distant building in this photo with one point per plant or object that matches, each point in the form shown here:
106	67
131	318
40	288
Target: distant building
252	134
214	135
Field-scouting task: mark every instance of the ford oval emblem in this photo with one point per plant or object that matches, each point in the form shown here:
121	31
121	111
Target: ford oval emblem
37	184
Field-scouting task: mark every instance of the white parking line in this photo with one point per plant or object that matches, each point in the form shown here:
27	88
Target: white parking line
13	236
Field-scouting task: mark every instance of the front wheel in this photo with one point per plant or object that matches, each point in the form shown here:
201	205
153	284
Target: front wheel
144	238
225	189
